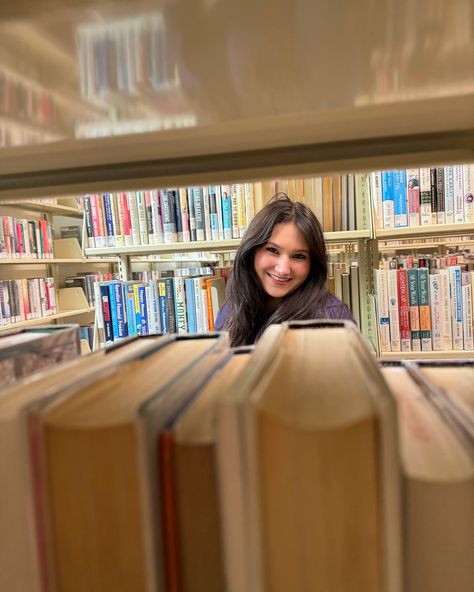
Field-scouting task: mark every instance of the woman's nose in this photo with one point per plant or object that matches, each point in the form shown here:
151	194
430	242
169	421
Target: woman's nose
282	266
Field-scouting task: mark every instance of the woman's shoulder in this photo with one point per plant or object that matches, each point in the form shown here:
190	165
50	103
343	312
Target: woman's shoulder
336	309
221	317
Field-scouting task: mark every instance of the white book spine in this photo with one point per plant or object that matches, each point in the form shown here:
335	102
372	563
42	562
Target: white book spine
395	344
156	218
142	222
468	182
132	206
241	211
206	214
198	304
436	312
154	324
376	187
458	190
456	306
467	312
446	309
249	204
234	211
425	196
180	306
220	226
382	309
449	194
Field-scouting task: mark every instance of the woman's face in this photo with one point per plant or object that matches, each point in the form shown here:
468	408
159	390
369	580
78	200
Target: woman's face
282	264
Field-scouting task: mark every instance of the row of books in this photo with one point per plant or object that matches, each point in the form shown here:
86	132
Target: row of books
429	260
26	299
231	470
422	311
127	56
25	239
221	212
14	133
414	197
167	305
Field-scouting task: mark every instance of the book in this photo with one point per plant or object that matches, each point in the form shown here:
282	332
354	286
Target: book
438	476
281	433
100	445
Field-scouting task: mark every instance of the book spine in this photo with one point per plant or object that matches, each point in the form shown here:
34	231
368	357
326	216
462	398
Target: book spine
400	198
142	219
446	309
106	316
449	194
121	313
163	306
425	196
212	193
177	214
133	209
413	193
456	306
395	344
458	193
170	304
183	206
226	212
192	215
388	206
180	306
234	209
190	305
250	205
142	303
425	313
169	222
403	310
436	312
113	310
155	307
88	221
220	224
434	195
383	314
207	214
210	311
441	211
466	288
117	217
241	213
205	305
198	303
126	219
136	303
130	308
156	217
149	219
468	183
413	303
199	212
109	223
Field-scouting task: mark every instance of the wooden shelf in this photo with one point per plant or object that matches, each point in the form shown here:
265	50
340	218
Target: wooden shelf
428	230
428	355
59	315
346	236
205	246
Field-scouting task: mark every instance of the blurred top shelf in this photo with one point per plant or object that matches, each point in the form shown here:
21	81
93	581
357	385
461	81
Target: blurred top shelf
45	207
430	230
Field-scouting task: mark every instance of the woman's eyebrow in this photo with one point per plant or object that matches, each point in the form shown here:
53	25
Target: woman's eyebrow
272	244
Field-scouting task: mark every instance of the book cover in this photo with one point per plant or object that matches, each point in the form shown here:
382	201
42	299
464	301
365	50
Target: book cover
388	204
399	189
413	194
436	312
425	196
449	194
393	309
425	313
413	302
468	184
403	310
441	200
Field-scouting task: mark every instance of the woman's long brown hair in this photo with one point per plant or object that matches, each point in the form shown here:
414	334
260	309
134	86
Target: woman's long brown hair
247	316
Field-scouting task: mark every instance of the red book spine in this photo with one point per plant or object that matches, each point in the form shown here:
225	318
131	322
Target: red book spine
403	309
127	223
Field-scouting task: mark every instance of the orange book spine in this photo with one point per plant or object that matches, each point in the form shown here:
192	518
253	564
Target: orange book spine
210	314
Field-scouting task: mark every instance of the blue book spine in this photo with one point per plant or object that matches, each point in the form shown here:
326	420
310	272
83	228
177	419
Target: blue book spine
130	308
113	310
387	200
109	222
143	309
226	215
400	198
121	312
163	307
190	305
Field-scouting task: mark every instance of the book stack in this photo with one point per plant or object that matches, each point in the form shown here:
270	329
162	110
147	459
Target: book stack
414	197
86	282
176	463
343	282
425	308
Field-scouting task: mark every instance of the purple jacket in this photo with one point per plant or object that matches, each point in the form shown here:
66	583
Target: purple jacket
336	309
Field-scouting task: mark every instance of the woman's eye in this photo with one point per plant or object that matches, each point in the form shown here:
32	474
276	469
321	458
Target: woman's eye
299	256
272	250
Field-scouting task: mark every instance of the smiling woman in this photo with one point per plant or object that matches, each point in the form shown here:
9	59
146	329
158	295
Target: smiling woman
279	273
